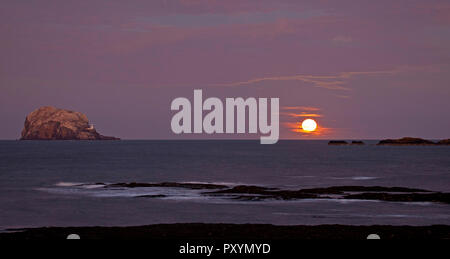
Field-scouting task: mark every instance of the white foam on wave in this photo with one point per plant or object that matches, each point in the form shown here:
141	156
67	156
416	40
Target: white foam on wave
148	191
97	190
79	185
67	184
92	186
356	178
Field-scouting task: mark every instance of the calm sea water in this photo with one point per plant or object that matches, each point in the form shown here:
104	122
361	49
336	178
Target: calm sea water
39	182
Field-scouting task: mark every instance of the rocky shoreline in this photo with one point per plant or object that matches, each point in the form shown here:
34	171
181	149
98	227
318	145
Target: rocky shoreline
260	193
187	232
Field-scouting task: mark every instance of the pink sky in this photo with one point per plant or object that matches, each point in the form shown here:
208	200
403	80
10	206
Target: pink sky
362	69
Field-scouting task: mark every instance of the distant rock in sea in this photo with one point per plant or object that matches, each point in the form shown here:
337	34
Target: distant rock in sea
337	142
406	141
444	142
357	142
49	123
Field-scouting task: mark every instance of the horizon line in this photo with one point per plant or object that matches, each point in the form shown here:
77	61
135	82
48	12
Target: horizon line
220	139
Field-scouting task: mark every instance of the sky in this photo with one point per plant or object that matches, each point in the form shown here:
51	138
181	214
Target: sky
362	69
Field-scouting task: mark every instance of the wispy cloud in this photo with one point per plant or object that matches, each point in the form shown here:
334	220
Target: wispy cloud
295	112
342	39
302	115
219	19
332	82
328	82
304	108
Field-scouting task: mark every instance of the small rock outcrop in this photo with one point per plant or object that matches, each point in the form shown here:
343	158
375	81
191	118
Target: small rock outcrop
337	142
357	142
444	142
50	123
406	141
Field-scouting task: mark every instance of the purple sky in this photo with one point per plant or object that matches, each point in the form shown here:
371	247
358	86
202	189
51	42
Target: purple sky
362	69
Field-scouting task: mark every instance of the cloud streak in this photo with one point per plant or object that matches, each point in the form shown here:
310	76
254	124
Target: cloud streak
302	115
336	82
303	108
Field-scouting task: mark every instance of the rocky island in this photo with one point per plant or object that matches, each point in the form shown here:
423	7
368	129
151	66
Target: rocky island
50	123
406	141
444	142
413	141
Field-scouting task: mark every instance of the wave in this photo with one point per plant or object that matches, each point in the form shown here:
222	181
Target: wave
241	193
81	185
99	190
356	178
67	184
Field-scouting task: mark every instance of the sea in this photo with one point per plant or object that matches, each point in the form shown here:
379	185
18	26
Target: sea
62	183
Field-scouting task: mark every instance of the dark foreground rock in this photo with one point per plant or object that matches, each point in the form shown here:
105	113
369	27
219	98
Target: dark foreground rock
49	123
344	189
242	232
406	141
399	194
261	193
